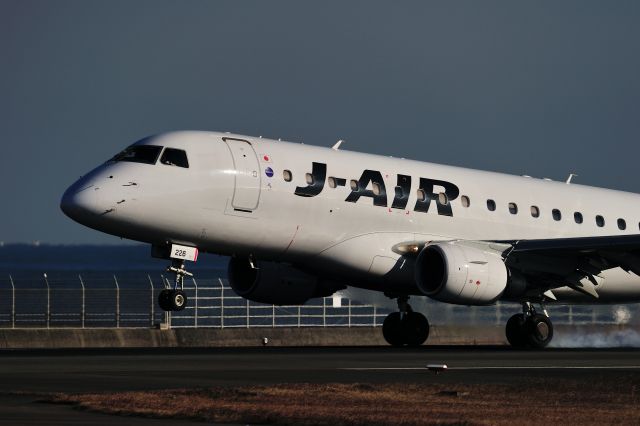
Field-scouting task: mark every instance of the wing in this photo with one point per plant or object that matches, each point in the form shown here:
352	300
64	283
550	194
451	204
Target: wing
572	262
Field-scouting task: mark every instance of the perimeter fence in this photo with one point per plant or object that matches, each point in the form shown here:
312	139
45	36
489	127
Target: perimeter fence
130	300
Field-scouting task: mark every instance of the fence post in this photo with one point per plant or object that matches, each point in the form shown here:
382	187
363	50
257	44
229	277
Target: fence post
299	309
13	303
248	312
46	280
375	315
117	301
153	304
82	308
221	303
570	315
324	311
167	314
195	307
273	316
349	313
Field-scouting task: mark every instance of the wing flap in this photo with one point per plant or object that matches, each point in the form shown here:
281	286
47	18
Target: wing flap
579	245
574	262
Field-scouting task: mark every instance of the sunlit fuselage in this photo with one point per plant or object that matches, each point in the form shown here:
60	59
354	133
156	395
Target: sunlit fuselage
233	205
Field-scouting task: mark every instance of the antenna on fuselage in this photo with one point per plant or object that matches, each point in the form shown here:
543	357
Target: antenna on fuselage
336	146
571	176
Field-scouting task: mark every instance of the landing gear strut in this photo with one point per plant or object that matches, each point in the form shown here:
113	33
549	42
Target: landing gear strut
529	329
175	299
405	327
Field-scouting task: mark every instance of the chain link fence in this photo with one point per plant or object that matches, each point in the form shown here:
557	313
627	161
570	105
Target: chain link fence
130	300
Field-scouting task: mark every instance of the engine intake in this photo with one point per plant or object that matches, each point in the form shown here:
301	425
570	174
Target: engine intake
275	283
461	274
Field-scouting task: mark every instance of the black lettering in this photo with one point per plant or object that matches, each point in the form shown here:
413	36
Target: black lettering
373	176
402	192
318	174
450	190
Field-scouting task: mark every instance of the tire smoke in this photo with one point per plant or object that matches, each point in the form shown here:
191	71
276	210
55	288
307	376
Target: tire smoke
626	336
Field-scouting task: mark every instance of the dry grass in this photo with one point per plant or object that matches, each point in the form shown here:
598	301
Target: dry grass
549	402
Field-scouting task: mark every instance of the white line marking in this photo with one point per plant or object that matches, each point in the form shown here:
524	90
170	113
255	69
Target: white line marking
383	368
546	367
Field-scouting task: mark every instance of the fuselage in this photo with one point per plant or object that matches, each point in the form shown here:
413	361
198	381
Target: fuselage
337	213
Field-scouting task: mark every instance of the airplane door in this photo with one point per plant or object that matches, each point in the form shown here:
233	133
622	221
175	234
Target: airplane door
247	186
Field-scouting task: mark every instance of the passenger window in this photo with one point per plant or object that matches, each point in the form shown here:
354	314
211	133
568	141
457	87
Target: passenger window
577	216
355	186
376	188
600	221
443	199
146	154
332	182
491	205
286	174
422	196
622	224
174	157
309	178
513	208
465	201
535	211
556	214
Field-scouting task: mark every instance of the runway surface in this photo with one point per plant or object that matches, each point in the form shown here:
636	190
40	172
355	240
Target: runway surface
45	371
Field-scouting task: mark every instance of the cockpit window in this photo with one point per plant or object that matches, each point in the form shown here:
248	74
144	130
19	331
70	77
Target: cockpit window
174	157
147	154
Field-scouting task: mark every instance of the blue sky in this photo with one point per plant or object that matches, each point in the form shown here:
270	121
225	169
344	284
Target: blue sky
540	88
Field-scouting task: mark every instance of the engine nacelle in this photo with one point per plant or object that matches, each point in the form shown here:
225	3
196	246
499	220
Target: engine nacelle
461	274
275	283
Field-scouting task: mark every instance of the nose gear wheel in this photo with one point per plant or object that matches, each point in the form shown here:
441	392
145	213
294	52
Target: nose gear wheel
175	299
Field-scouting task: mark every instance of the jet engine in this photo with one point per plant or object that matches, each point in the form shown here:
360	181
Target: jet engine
461	274
275	283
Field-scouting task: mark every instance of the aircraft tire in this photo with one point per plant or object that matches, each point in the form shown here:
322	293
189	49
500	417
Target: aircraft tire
178	300
516	331
164	299
539	331
392	329
416	328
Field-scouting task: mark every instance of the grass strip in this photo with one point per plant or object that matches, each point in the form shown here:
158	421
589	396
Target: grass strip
336	404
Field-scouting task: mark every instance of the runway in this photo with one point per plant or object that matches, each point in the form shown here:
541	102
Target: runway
37	372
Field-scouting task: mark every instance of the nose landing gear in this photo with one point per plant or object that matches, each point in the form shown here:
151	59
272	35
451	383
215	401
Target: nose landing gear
529	329
175	299
405	327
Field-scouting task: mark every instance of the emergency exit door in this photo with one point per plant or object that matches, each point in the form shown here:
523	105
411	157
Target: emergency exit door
247	175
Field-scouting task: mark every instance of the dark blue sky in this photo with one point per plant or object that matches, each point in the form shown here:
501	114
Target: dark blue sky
540	88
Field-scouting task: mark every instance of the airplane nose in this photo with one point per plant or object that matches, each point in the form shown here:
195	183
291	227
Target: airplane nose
79	202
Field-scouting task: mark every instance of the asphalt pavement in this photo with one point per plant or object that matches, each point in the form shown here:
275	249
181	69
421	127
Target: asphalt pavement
25	375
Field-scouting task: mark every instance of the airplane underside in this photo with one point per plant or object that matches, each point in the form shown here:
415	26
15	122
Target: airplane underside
404	327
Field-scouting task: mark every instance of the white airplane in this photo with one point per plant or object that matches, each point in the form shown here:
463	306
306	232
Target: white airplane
302	221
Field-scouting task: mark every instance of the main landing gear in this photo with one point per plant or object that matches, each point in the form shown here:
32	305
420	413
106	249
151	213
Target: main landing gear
529	329
405	327
175	299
